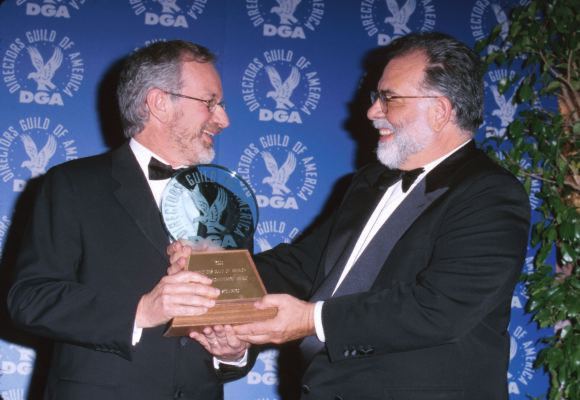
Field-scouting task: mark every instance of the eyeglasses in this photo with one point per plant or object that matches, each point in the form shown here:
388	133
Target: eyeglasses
384	98
211	104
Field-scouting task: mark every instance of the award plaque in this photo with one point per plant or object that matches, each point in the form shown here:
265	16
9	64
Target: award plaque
209	204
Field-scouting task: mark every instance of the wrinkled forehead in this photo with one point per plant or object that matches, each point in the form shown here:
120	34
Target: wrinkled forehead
201	77
403	72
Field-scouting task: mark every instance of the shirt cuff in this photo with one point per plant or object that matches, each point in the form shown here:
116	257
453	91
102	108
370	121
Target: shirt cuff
240	363
137	332
318	321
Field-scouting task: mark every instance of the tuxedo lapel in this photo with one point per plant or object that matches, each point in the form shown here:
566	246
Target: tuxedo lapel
362	198
365	270
136	198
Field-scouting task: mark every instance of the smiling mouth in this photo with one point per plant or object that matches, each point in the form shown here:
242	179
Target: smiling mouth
384	132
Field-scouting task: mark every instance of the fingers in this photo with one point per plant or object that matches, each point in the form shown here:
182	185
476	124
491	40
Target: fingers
188	277
221	341
178	252
256	333
184	293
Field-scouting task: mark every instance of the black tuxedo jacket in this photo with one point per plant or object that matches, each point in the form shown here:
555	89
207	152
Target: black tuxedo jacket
432	323
94	246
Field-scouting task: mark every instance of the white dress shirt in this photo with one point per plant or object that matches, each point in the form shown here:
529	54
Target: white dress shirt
392	198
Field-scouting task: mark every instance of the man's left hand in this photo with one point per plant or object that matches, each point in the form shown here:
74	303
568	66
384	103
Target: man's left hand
221	342
295	320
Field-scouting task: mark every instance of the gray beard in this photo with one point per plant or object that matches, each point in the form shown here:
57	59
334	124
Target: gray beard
394	153
206	156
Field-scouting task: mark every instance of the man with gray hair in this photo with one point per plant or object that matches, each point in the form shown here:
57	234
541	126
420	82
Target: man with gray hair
92	275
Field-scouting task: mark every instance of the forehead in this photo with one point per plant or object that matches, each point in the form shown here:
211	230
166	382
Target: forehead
403	72
201	77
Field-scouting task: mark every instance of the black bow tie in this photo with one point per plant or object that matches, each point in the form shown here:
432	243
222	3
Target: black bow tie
391	176
159	171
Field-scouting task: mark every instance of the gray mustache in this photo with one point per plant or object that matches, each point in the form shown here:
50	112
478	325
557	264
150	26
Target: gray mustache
383	124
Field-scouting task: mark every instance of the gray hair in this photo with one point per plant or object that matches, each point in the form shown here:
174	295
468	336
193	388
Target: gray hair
155	66
453	69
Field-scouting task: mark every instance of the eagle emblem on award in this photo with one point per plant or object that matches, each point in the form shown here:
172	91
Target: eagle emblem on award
212	205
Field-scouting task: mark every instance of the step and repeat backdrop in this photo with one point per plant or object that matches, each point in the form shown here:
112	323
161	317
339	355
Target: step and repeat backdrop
59	65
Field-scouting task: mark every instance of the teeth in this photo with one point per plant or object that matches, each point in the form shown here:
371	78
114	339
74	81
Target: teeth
385	132
209	133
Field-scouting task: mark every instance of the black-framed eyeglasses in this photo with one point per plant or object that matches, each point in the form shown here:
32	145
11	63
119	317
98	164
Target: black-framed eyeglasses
385	98
211	104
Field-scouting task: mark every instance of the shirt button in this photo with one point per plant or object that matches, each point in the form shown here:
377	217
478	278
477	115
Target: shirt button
177	394
305	389
183	341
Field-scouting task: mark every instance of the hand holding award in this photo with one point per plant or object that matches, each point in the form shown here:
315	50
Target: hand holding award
209	203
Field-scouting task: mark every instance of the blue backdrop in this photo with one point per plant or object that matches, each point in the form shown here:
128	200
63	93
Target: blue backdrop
326	47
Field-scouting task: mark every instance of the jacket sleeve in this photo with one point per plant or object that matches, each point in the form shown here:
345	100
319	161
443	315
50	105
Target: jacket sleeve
49	297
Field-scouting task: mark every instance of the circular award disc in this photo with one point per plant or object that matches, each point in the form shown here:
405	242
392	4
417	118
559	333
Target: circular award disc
210	202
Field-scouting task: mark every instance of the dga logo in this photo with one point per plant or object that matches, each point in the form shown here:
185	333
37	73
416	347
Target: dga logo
16	360
286	18
504	109
390	19
51	8
41	67
280	171
281	87
168	13
28	149
486	15
522	356
271	232
267	375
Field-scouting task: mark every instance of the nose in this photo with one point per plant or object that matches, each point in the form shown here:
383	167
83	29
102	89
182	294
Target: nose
375	111
221	117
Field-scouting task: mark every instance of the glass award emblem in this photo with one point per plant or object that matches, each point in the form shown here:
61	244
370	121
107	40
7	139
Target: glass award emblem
209	204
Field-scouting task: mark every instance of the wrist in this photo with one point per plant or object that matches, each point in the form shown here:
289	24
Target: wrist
140	320
311	327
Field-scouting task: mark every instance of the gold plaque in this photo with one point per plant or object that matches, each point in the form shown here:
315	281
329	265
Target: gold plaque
234	273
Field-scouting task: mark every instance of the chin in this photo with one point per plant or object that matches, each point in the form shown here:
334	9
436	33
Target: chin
388	157
206	156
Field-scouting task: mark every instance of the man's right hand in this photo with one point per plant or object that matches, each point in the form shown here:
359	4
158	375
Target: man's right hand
183	293
178	252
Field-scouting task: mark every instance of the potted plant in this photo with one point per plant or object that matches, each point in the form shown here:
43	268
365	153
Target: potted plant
541	144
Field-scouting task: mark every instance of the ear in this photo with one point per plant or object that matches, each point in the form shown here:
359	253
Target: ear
440	113
159	105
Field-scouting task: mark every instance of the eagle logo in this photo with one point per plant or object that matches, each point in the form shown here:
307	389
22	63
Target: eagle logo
278	176
44	71
210	215
37	160
400	15
285	10
169	6
506	107
282	91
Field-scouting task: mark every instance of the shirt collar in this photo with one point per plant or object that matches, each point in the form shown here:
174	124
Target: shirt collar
428	167
143	155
